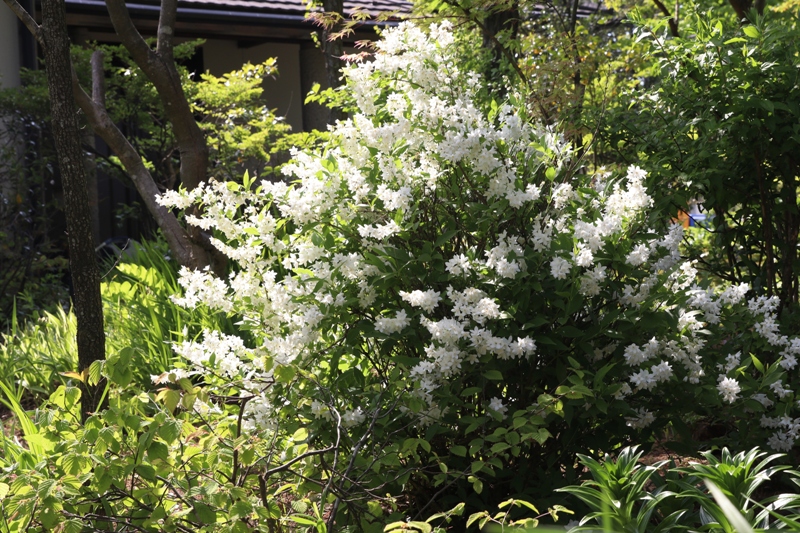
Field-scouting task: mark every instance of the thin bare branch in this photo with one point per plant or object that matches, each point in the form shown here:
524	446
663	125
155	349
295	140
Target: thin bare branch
134	42
166	28
26	19
98	79
288	464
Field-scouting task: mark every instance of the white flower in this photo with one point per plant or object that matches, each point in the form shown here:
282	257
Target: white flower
427	300
729	389
732	361
762	399
559	267
458	265
639	255
562	195
590	282
583	257
387	325
779	389
352	418
642	419
781	441
496	405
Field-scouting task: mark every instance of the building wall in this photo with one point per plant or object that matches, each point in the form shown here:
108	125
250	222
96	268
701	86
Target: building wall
9	48
9	77
283	94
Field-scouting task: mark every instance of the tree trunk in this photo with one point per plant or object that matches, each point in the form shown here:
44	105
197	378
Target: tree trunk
503	19
82	261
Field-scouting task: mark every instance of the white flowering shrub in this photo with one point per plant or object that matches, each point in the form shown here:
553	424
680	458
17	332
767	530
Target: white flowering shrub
443	284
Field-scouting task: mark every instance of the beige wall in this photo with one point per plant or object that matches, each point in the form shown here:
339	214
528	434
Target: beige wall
9	77
9	48
284	93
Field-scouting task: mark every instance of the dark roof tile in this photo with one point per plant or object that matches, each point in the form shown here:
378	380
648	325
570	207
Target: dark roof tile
373	7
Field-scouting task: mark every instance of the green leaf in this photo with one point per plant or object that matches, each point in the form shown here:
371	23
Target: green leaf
204	514
146	472
241	509
423	527
731	512
460	451
751	31
494	375
74	464
500	447
285	373
158	451
170	430
96	372
73	525
475	517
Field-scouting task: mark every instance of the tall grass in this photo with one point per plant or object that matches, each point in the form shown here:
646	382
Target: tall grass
139	314
33	355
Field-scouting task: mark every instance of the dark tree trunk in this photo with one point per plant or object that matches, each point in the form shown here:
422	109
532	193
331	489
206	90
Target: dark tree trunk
505	18
743	6
82	261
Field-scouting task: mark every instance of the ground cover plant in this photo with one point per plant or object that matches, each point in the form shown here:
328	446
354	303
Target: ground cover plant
441	307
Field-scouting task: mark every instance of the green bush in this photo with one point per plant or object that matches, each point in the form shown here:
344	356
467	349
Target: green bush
721	125
444	299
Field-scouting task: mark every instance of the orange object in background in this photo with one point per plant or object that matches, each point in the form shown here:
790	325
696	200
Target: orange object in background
683	218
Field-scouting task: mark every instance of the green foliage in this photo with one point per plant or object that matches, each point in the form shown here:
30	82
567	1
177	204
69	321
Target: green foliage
362	286
240	436
617	494
721	126
240	128
242	134
231	110
137	464
140	460
33	355
502	520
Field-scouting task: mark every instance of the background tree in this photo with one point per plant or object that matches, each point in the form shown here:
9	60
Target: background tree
720	126
191	248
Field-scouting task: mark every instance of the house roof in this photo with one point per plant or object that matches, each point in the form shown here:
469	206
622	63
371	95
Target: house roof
373	7
273	19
